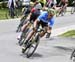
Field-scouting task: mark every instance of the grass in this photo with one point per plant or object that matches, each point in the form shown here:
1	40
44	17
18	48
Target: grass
70	33
3	13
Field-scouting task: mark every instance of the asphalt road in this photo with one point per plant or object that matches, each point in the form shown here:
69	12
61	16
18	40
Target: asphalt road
55	49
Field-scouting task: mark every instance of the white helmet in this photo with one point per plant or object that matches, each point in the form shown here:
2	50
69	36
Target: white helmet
38	6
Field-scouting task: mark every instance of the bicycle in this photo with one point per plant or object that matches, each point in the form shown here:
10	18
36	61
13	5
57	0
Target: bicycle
22	21
32	44
61	11
73	8
24	35
73	56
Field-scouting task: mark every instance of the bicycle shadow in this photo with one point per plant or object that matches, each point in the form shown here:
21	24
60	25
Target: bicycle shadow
35	55
67	49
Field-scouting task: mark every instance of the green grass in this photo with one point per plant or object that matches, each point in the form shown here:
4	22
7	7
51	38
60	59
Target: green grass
3	13
70	33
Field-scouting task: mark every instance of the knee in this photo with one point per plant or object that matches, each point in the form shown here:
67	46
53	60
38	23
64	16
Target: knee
34	29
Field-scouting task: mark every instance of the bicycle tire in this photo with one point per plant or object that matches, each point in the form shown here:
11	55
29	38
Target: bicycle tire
23	37
72	10
20	25
36	42
72	54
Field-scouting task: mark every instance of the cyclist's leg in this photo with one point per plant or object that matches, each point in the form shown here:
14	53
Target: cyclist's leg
22	29
44	27
49	29
65	6
32	31
24	26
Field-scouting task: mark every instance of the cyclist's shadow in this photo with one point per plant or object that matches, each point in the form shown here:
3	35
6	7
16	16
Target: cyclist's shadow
35	55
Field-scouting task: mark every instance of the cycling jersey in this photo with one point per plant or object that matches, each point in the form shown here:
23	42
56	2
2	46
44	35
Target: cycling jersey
64	1
35	14
51	3
26	2
43	17
43	2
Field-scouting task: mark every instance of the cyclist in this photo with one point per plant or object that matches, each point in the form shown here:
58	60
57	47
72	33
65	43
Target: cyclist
35	12
43	2
46	20
63	4
51	3
73	3
26	10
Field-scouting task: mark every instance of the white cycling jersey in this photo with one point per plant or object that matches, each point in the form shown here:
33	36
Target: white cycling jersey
25	2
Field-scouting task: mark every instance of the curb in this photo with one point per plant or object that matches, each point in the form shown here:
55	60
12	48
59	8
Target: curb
59	31
9	20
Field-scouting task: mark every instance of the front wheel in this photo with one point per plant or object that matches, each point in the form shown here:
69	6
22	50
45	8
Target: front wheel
23	36
31	46
72	10
72	54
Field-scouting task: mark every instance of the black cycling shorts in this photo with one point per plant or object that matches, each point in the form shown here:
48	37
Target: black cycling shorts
43	24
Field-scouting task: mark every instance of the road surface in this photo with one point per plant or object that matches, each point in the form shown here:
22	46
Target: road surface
55	49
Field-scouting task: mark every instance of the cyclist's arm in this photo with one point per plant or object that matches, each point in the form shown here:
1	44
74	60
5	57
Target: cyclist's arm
51	22
31	13
28	17
40	17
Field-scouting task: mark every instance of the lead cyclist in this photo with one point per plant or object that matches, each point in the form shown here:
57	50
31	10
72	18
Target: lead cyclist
46	19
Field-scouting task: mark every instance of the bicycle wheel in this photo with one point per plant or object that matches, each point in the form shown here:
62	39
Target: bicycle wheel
63	12
73	54
72	10
23	37
21	24
31	46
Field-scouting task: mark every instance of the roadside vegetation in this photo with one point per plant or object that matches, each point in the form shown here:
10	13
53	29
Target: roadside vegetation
70	33
3	8
3	13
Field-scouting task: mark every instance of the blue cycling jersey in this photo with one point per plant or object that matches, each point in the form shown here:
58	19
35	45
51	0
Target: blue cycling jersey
44	17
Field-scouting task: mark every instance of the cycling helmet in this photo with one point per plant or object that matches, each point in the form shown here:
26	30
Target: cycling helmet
52	11
31	4
38	6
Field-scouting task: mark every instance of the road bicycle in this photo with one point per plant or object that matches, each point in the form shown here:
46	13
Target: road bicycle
73	8
22	21
31	46
24	35
61	11
73	56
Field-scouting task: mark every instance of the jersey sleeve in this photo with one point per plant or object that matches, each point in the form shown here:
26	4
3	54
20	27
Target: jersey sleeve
40	17
32	10
51	22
